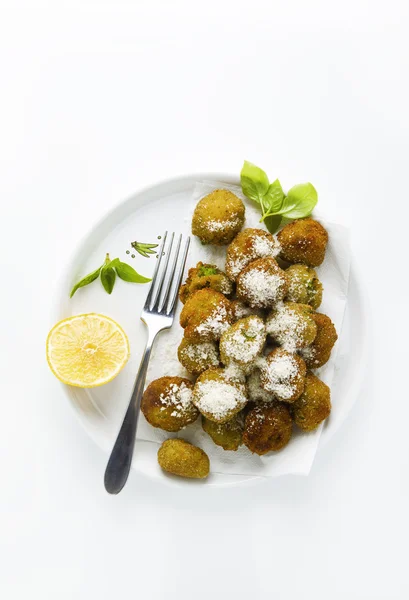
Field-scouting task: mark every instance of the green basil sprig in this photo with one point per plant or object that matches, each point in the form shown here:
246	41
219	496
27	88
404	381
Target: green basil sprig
274	204
108	272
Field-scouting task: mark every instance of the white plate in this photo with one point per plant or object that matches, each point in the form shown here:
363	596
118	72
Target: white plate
144	216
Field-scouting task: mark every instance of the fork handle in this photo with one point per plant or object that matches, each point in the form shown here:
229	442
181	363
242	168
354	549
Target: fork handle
119	464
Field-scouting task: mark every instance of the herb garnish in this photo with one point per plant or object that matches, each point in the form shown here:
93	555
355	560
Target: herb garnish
274	204
144	249
108	272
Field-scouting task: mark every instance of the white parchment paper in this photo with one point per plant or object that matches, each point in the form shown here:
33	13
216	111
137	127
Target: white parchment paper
297	457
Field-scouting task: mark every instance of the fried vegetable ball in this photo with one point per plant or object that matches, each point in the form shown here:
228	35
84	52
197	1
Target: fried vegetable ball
314	404
205	316
318	353
292	326
267	427
283	374
197	358
228	435
167	403
303	241
218	217
217	397
262	283
247	246
257	394
178	457
304	286
243	341
205	276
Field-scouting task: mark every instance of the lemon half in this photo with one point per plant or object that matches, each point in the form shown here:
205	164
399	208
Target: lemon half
87	350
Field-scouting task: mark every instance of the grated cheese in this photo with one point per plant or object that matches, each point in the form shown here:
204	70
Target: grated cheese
309	354
262	288
244	340
259	246
205	354
216	323
179	397
234	372
287	327
222	225
280	375
219	399
256	392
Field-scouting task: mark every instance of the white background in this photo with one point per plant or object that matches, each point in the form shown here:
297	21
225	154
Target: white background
100	98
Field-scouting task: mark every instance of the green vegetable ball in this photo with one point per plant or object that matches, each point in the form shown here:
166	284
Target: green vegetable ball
198	357
268	427
319	352
205	316
205	276
292	326
243	341
167	403
303	241
178	457
314	404
304	286
218	217
227	435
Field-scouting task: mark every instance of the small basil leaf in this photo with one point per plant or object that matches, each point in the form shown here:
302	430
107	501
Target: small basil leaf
254	181
85	281
273	223
128	273
108	277
300	201
112	263
273	198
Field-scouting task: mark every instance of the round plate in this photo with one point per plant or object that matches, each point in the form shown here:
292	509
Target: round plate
144	216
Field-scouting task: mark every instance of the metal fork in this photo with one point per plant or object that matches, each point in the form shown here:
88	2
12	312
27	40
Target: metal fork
157	314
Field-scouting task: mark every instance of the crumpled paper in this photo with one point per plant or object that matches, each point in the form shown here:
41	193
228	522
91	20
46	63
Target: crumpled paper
298	456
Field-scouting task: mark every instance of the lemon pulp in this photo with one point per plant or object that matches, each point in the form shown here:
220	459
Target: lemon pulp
87	350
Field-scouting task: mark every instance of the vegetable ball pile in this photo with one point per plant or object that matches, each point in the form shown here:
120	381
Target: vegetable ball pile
251	337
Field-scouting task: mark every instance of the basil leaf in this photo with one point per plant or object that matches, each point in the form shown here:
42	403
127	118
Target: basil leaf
273	222
85	281
112	263
254	181
273	198
128	273
108	277
300	201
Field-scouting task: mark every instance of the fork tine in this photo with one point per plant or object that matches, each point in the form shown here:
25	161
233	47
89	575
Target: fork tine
155	272
170	309
162	276
165	296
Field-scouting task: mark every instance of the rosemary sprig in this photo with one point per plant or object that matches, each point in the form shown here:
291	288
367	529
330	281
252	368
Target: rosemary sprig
144	249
